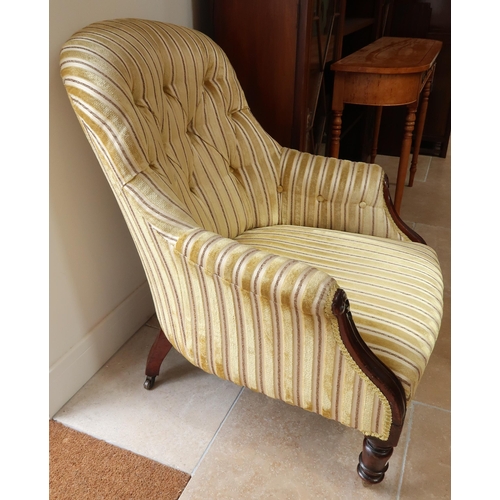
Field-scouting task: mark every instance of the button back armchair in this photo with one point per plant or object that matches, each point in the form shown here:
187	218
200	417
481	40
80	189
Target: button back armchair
284	272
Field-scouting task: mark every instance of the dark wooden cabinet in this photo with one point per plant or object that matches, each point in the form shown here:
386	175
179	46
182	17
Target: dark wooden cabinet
279	50
282	50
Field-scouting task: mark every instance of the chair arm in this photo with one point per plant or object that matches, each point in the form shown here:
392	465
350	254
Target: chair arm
336	194
260	299
285	282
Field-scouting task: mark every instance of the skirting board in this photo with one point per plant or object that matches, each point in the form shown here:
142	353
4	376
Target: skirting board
70	373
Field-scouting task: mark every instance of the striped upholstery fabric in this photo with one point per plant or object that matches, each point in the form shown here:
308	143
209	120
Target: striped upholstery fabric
378	276
245	243
332	194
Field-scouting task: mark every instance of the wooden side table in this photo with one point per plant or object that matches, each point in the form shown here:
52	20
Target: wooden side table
389	72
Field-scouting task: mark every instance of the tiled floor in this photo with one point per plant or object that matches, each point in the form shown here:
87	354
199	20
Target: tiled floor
239	445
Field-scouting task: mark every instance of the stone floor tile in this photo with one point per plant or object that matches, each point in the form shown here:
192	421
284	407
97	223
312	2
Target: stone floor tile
439	238
270	450
435	386
172	424
390	164
427	471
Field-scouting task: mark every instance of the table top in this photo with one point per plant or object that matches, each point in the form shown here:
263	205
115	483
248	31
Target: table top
392	55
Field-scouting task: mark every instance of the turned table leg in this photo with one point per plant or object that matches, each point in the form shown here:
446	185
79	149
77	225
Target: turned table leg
419	129
405	155
378	119
335	136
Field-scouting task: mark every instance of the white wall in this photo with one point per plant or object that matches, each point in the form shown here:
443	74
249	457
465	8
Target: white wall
99	296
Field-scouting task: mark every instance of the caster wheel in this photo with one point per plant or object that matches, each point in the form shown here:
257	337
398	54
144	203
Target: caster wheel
149	382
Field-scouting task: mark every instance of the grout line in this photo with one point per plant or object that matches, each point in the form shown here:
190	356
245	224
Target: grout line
431	406
152	325
216	433
428	169
407	445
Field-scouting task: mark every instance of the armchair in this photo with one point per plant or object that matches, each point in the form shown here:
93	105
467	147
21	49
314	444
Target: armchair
284	272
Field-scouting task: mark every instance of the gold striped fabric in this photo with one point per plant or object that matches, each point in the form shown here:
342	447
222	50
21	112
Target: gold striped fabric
245	243
379	276
331	194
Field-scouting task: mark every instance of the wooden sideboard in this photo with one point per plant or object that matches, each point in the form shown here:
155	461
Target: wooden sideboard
282	50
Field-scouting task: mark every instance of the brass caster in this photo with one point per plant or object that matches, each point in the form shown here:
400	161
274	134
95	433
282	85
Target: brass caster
149	383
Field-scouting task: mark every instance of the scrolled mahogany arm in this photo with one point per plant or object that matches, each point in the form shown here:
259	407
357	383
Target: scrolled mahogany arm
376	370
414	236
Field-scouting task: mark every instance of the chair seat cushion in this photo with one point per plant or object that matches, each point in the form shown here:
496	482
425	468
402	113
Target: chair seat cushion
395	288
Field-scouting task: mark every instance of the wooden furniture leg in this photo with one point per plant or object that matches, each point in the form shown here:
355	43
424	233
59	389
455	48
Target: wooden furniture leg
374	460
404	157
378	119
335	137
419	129
156	355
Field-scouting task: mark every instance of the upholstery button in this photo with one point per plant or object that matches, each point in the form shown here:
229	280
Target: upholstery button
320	198
280	189
362	204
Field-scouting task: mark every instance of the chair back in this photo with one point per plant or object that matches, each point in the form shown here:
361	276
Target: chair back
169	123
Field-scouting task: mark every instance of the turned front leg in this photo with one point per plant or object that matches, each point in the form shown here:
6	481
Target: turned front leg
374	460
